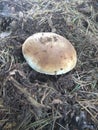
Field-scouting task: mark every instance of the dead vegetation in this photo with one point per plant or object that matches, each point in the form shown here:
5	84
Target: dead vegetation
29	100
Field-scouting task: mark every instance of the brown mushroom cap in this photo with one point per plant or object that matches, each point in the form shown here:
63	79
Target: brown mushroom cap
49	53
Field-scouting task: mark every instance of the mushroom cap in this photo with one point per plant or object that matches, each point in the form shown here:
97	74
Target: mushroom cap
49	53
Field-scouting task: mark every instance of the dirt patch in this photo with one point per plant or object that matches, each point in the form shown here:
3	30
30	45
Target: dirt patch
30	100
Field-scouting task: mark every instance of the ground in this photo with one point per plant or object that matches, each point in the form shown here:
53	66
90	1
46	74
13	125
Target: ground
33	101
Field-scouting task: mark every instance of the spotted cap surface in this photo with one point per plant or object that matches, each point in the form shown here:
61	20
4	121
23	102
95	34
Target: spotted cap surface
49	53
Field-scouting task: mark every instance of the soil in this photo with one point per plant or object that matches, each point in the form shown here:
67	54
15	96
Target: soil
33	101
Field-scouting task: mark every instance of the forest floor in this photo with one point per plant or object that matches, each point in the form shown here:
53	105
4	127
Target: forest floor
33	101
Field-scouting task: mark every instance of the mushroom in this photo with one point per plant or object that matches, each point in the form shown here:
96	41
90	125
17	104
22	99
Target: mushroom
49	53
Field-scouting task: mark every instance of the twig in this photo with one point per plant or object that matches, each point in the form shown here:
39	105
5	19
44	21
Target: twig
26	93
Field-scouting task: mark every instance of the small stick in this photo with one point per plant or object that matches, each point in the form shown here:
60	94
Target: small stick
26	93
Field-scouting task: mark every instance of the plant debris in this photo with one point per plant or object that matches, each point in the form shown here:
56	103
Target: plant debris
30	100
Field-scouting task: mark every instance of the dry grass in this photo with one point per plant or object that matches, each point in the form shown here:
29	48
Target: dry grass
33	101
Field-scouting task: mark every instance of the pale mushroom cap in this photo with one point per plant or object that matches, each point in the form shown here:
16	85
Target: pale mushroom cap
49	53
